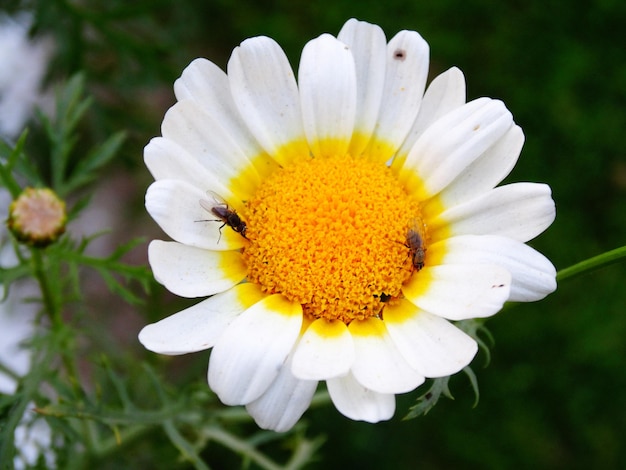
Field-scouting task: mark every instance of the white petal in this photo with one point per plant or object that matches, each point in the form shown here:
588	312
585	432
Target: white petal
520	211
193	272
357	402
325	350
167	160
198	327
534	276
206	84
458	292
452	143
249	355
327	81
405	80
431	345
175	206
378	365
486	171
205	137
445	93
264	89
369	49
284	402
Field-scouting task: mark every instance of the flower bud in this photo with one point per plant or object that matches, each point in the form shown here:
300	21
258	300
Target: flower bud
37	217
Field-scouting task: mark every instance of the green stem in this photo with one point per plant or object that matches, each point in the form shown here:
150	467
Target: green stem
53	308
184	447
591	264
50	302
240	447
121	440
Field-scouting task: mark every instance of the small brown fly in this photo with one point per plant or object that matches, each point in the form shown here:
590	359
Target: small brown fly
220	209
416	248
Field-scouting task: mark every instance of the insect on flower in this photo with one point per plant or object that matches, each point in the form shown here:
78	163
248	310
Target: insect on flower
416	248
219	208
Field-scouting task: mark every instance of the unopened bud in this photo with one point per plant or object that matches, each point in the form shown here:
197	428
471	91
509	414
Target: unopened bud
37	217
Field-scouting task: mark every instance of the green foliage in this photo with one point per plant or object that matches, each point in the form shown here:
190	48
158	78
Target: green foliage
59	269
13	164
428	400
69	171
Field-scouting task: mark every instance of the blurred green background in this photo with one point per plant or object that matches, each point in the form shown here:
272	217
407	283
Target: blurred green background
553	394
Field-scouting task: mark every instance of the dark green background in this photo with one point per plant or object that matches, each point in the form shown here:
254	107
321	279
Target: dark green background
553	395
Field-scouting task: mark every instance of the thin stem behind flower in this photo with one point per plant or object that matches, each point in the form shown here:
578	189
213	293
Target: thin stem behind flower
591	264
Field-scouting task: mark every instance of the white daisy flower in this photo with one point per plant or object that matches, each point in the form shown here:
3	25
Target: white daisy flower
33	436
24	64
322	260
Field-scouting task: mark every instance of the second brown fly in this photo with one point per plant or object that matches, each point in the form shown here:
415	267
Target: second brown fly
415	244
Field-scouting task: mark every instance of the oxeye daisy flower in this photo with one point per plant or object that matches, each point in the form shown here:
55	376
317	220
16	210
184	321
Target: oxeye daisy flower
338	223
24	64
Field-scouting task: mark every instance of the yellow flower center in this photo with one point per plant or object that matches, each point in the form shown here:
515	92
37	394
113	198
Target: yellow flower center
331	234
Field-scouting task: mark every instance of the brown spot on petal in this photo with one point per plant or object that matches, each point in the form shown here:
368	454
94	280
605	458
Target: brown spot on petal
399	54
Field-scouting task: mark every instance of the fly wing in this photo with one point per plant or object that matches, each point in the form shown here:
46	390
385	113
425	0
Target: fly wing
206	205
213	200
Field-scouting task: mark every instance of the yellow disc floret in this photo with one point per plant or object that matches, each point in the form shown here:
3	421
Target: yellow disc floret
330	234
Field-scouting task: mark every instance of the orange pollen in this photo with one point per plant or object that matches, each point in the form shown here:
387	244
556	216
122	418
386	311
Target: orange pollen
331	234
